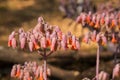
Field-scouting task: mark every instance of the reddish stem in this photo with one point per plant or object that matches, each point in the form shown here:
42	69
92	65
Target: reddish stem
45	65
45	55
97	62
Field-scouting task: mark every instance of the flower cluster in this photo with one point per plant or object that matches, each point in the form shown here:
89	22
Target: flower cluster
29	71
98	20
101	37
43	36
95	37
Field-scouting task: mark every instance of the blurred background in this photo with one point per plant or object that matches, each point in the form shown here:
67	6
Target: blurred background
15	14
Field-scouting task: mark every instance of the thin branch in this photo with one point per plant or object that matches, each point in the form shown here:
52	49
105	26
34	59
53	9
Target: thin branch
40	53
49	53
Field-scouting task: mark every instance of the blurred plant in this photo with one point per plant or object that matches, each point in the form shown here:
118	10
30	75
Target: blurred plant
101	40
104	27
72	8
43	38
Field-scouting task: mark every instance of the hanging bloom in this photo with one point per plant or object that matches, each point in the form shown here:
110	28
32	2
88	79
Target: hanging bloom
14	43
74	43
18	71
113	23
22	42
11	36
86	38
14	71
21	74
69	35
79	19
31	45
88	18
93	36
77	44
114	40
64	42
53	44
48	38
43	42
97	37
104	40
92	23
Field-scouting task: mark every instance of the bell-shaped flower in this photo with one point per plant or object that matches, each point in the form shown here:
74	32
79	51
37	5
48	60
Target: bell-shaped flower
74	43
31	45
113	23
18	71
64	42
14	71
59	34
79	19
69	35
104	40
86	38
77	44
92	23
98	38
48	38
21	74
11	36
53	44
107	20
88	18
43	42
93	36
97	24
114	40
14	43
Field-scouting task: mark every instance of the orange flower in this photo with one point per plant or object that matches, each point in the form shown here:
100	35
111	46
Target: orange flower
88	19
74	47
9	43
102	21
70	40
97	25
48	42
93	38
103	43
113	40
18	73
91	24
36	46
112	24
29	78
